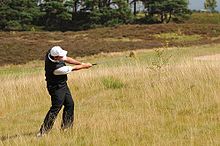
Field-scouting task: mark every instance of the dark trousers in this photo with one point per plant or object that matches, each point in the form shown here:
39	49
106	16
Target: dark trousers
60	95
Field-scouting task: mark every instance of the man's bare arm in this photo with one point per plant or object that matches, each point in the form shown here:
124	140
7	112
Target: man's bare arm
72	61
82	66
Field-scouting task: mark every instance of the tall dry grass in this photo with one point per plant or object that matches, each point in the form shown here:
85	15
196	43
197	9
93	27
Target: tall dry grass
130	104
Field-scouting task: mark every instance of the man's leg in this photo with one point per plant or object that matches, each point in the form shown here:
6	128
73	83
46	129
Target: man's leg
57	99
68	111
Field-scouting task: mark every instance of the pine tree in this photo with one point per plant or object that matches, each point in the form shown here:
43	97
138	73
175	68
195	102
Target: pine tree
57	13
18	14
210	5
167	10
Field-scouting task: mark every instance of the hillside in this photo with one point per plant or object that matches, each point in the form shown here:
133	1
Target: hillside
22	47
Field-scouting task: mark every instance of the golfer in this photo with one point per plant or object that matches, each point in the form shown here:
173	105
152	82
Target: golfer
56	76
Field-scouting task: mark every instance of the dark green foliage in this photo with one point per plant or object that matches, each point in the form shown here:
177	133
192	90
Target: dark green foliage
103	12
164	11
81	21
57	14
109	17
17	14
83	14
210	5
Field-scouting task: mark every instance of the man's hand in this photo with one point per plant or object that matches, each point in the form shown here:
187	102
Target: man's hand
86	65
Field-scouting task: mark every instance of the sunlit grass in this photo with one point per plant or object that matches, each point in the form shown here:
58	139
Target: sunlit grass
178	37
123	39
205	18
122	101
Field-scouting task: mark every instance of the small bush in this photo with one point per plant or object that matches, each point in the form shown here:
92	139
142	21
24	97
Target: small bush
112	83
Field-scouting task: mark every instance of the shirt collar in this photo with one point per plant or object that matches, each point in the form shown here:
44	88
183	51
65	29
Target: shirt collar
52	59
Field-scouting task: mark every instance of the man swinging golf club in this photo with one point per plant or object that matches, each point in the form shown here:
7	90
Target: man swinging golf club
56	76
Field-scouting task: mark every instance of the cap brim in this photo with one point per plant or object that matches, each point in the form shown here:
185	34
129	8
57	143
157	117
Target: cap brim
63	53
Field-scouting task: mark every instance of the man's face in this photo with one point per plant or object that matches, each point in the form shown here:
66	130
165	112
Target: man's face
59	58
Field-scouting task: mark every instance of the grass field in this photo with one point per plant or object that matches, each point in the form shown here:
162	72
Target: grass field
158	97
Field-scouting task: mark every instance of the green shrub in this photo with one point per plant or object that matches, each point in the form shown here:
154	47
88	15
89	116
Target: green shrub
13	25
112	83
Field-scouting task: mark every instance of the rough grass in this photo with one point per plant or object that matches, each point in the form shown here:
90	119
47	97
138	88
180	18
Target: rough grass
122	101
205	18
175	37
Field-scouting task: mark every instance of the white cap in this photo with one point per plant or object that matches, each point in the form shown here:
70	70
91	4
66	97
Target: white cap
58	51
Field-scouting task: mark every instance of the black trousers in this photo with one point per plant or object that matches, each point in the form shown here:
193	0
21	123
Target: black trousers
60	95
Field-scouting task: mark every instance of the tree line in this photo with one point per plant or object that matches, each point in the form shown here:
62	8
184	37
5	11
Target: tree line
84	14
